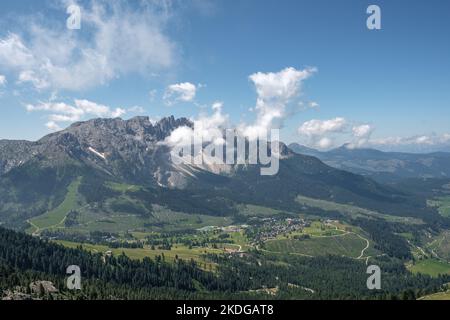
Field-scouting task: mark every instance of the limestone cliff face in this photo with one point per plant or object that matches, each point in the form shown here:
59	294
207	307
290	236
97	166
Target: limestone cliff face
127	149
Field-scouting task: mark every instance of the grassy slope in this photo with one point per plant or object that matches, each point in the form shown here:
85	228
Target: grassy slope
351	210
56	216
347	245
443	203
161	219
259	211
182	252
431	267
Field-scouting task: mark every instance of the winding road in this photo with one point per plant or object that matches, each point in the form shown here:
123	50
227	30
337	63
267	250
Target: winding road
363	250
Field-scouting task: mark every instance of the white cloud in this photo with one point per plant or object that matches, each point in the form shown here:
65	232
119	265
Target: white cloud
136	109
361	135
60	107
325	134
313	105
218	105
275	91
63	118
31	77
116	40
180	92
63	112
207	128
315	128
14	54
418	140
362	131
99	110
118	112
281	85
324	143
52	126
2	80
319	133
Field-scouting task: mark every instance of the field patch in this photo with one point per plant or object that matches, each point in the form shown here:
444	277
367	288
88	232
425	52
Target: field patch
352	211
431	267
443	205
349	245
258	211
157	220
180	251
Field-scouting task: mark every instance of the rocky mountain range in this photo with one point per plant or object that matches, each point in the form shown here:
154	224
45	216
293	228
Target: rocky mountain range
124	149
35	176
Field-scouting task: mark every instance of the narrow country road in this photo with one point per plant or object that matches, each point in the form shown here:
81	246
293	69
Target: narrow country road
363	250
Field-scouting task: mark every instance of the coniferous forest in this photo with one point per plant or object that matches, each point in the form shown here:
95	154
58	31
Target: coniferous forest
24	259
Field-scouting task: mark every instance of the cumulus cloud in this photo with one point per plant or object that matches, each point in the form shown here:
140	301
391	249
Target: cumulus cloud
313	105
417	140
136	109
217	106
281	85
207	138
362	130
361	135
324	143
53	126
99	110
203	145
317	128
326	134
180	92
31	77
14	54
63	112
275	91
2	80
318	131
116	40
207	128
58	109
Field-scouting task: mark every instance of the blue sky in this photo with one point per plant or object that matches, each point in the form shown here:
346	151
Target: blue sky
386	88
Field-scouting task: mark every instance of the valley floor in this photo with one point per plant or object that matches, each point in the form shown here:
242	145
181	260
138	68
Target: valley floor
122	225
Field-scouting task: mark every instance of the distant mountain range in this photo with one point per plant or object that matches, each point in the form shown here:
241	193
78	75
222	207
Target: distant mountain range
383	166
35	176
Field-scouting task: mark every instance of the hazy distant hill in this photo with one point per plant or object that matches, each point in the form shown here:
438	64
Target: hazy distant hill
384	166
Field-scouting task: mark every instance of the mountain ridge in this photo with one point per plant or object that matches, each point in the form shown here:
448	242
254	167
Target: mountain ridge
100	151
